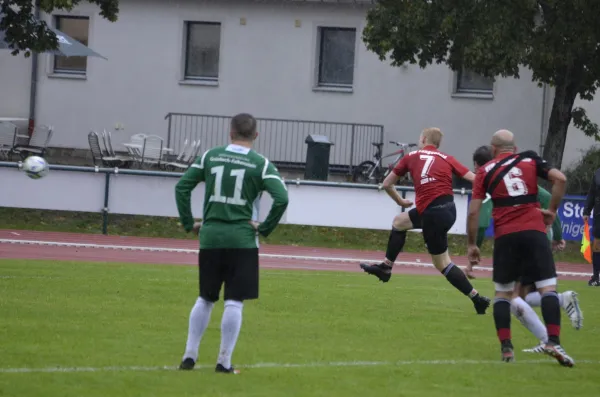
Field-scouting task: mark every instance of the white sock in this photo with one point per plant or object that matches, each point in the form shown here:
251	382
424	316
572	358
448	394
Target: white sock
535	299
230	329
199	318
529	318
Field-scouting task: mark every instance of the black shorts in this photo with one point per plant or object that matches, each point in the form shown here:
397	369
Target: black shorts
237	268
523	256
436	221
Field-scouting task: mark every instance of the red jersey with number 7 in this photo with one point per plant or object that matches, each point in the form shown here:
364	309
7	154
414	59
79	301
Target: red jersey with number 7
431	172
513	212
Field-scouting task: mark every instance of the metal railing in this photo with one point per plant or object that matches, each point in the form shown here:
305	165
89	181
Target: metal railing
281	141
114	171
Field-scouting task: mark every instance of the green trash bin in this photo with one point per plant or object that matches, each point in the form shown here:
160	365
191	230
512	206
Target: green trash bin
317	157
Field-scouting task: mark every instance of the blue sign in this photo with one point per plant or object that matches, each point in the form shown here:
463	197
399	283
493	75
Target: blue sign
570	213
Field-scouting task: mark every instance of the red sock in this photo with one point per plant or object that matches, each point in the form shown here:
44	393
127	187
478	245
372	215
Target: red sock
504	334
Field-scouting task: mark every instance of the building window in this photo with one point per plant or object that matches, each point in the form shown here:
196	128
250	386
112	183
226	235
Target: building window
469	82
77	28
202	47
336	57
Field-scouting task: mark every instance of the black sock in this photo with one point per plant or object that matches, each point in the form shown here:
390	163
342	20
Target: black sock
502	319
551	314
596	264
395	244
457	278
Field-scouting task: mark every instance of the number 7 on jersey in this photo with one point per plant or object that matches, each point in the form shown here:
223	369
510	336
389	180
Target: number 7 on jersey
427	166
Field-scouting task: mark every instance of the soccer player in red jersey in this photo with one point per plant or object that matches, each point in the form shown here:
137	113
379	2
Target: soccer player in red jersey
435	212
521	247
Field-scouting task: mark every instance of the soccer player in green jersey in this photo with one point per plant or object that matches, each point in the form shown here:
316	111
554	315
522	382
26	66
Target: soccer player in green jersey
235	177
526	294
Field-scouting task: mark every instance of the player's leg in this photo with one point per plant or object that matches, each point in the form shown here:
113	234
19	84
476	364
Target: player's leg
241	284
527	316
401	224
436	223
595	280
539	266
568	300
504	274
210	287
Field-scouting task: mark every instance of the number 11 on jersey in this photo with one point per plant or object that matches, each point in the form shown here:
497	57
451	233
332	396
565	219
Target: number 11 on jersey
218	197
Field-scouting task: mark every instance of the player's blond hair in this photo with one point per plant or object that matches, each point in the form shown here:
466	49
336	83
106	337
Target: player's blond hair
432	136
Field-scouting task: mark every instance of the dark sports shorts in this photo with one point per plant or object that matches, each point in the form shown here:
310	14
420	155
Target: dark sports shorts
523	256
237	268
437	219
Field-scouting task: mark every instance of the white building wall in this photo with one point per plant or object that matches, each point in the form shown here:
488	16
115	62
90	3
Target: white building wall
267	67
15	83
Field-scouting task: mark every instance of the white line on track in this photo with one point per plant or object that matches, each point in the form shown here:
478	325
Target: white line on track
275	256
282	365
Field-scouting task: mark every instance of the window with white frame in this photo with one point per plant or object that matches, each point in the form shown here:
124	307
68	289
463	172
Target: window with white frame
78	28
202	48
469	82
336	57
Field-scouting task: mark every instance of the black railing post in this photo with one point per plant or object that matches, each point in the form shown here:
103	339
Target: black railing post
403	196
353	134
105	209
169	130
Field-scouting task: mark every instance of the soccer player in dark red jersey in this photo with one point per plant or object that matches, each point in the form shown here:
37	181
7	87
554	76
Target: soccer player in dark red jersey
435	212
521	247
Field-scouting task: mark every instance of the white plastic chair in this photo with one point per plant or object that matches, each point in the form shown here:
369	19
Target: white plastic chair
152	150
182	162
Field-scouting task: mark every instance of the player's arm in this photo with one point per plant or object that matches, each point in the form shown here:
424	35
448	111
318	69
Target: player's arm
275	186
483	220
544	198
557	178
591	198
557	230
478	195
183	192
461	171
389	183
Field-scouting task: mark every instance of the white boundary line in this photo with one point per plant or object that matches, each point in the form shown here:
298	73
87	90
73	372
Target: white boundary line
281	365
275	256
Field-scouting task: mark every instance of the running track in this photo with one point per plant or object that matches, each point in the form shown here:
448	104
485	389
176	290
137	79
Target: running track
24	244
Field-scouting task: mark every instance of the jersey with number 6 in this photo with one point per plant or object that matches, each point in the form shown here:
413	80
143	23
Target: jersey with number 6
431	171
521	180
235	177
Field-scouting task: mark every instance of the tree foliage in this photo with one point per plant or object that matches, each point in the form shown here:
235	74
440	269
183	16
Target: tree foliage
558	40
580	174
24	32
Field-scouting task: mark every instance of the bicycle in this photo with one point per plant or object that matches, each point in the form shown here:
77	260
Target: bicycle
370	172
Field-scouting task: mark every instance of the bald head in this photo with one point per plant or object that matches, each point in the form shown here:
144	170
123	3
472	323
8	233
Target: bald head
503	141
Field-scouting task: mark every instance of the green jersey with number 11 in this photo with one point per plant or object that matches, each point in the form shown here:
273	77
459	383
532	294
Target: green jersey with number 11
235	177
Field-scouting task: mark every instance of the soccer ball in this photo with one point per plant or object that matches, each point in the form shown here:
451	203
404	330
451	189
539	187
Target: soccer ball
35	167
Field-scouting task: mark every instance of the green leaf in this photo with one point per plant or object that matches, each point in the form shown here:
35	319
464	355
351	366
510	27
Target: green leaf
24	32
556	39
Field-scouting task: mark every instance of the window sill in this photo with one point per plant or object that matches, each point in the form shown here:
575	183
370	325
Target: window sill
206	83
68	76
473	95
342	90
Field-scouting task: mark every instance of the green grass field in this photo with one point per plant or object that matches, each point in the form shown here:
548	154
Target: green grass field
82	315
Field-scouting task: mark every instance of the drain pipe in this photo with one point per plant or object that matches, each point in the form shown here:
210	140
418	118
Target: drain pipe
34	76
542	125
